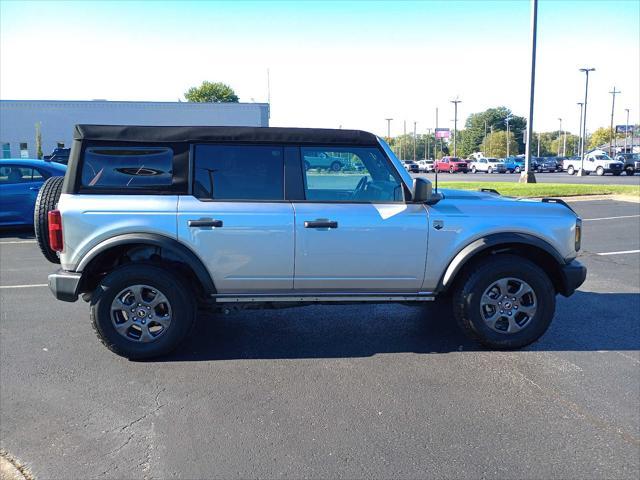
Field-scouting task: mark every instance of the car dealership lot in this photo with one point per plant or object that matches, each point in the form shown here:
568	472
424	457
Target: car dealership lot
557	177
332	391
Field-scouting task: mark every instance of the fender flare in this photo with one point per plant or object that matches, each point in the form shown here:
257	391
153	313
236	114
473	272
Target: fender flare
185	254
484	243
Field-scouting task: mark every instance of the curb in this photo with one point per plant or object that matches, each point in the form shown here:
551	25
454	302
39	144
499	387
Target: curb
12	469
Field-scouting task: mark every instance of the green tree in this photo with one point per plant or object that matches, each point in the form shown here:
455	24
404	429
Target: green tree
496	144
39	140
494	118
601	136
210	92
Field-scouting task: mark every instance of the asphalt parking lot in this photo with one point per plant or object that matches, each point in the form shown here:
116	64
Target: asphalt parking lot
331	392
546	177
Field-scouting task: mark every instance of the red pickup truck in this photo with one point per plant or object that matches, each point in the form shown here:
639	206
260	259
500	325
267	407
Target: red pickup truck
452	165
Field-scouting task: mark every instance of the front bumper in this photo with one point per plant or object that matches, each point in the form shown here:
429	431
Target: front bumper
64	285
573	275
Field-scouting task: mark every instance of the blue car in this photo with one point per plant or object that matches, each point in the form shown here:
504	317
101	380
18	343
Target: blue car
20	180
514	164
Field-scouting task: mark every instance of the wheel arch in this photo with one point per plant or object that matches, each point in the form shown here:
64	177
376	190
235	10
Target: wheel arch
150	247
528	246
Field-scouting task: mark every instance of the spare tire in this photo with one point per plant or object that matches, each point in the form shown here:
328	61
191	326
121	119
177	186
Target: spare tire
47	200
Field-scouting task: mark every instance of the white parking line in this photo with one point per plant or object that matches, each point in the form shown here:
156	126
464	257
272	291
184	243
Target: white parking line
25	286
609	218
623	252
17	241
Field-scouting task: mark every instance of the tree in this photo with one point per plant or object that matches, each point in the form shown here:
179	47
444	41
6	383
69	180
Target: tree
39	140
496	144
492	117
601	136
210	92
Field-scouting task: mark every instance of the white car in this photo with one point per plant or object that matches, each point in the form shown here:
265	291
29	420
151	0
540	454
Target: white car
487	165
426	166
597	162
153	224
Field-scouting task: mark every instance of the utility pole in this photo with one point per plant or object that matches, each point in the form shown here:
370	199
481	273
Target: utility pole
507	122
435	140
485	136
613	106
559	135
580	129
584	119
388	129
414	141
426	149
404	140
527	176
455	124
626	132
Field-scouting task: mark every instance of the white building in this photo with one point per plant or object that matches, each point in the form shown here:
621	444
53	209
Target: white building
18	119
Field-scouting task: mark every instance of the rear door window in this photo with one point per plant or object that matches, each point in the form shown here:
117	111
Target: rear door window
127	167
239	172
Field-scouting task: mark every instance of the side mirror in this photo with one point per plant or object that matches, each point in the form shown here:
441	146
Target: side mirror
421	190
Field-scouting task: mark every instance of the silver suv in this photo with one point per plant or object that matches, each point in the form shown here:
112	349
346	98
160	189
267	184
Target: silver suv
152	223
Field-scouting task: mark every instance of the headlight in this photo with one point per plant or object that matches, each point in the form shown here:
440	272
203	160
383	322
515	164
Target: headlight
578	234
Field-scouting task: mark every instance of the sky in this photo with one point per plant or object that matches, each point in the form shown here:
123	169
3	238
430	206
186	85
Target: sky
332	64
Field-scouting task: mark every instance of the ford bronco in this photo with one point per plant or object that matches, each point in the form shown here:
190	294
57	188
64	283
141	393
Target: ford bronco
151	223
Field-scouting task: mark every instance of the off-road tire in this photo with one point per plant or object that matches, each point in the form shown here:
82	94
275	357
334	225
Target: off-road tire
474	281
46	201
175	289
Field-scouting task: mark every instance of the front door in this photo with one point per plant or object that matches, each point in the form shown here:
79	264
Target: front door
237	220
354	230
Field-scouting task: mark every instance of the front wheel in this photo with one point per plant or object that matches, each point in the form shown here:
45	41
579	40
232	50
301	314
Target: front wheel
141	311
571	170
630	171
336	166
517	170
451	170
473	170
600	171
489	170
505	302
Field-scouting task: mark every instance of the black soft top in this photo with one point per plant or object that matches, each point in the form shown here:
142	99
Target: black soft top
137	133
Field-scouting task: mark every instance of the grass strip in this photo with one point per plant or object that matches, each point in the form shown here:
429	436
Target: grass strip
546	189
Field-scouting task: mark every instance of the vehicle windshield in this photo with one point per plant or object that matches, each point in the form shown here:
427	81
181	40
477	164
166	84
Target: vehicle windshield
602	157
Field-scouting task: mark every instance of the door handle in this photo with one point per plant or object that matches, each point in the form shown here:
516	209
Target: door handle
205	223
320	224
34	189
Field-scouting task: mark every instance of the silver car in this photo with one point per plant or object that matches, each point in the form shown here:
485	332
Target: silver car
151	224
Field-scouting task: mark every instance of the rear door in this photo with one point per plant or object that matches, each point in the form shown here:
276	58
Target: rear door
237	220
354	231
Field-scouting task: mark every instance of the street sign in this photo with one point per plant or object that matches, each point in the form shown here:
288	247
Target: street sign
443	133
624	128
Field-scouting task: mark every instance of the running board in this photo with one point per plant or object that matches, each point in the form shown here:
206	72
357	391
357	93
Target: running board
329	297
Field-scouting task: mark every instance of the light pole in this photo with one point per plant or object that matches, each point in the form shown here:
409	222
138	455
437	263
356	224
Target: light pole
584	118
414	140
485	135
527	176
455	124
626	133
426	147
559	135
580	128
507	122
388	128
538	144
613	106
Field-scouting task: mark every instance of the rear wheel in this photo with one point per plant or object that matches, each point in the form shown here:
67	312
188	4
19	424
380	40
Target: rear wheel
451	170
336	166
473	170
630	171
142	311
571	170
505	302
46	201
489	170
517	170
